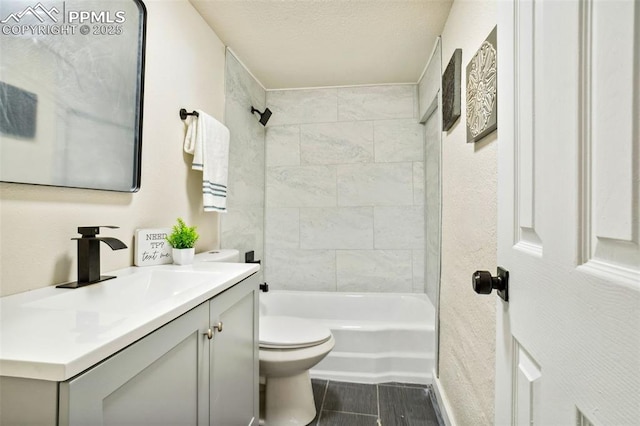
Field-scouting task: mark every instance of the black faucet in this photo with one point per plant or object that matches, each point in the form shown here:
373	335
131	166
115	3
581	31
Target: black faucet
89	256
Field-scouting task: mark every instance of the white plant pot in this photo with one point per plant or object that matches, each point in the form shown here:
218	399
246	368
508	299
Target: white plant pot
183	256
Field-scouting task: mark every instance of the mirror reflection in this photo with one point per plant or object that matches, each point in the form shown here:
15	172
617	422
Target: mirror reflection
71	75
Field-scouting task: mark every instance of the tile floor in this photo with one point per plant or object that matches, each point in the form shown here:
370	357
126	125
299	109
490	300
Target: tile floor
389	404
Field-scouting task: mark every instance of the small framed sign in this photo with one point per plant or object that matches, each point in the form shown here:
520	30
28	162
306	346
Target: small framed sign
152	247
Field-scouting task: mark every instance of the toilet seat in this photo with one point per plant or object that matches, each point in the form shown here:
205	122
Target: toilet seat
279	332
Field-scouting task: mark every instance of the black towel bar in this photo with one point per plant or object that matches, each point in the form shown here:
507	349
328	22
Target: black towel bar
184	114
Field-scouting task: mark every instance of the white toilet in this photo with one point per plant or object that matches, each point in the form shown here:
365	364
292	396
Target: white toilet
289	347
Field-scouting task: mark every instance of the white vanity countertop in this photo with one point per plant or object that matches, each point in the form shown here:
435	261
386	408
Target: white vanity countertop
54	334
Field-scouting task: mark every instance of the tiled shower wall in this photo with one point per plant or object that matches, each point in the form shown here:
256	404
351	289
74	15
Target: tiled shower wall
242	227
345	190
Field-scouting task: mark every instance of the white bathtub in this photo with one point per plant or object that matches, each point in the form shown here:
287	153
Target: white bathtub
379	337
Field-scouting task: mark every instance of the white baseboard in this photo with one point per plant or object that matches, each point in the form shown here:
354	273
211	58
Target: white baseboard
443	402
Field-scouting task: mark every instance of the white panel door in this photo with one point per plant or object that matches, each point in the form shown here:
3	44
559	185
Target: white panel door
568	340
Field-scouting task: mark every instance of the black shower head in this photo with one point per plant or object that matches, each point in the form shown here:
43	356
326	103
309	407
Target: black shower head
264	116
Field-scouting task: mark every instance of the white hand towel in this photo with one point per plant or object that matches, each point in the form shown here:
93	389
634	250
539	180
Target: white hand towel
208	140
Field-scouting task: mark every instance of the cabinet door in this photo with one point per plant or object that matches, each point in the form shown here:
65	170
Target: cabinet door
161	379
234	356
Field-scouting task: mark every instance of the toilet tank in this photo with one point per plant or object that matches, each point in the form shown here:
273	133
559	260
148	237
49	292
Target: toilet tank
222	255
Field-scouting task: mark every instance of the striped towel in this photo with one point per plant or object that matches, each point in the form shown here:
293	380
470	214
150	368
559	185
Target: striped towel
208	140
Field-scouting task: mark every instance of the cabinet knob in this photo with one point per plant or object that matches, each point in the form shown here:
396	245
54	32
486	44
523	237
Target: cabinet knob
209	334
218	326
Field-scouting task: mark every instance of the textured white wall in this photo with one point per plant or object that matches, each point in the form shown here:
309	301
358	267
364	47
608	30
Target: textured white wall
467	320
344	190
242	227
184	68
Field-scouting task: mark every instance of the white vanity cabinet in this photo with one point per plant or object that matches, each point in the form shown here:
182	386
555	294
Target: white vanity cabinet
198	369
161	379
233	390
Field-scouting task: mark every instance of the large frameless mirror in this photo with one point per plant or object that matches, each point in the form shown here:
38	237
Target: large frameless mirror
71	84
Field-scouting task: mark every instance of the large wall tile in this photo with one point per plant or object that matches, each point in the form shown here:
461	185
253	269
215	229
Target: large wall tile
336	228
242	230
418	183
399	227
303	186
301	269
345	190
374	270
245	184
302	106
376	102
433	206
375	184
418	271
246	143
241	88
336	143
242	227
282	145
237	85
246	187
282	228
398	140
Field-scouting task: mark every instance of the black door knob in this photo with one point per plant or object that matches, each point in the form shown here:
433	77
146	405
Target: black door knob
484	283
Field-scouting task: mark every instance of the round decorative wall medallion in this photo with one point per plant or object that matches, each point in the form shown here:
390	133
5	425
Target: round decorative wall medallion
481	89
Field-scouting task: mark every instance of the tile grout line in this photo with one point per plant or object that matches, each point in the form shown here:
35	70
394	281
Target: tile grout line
351	412
378	402
324	396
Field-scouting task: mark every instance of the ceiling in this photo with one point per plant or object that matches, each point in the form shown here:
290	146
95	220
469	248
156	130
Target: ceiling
318	43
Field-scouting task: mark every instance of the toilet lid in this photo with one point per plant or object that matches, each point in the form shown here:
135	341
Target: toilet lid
289	332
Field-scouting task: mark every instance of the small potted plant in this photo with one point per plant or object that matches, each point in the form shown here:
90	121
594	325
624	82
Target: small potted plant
182	239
